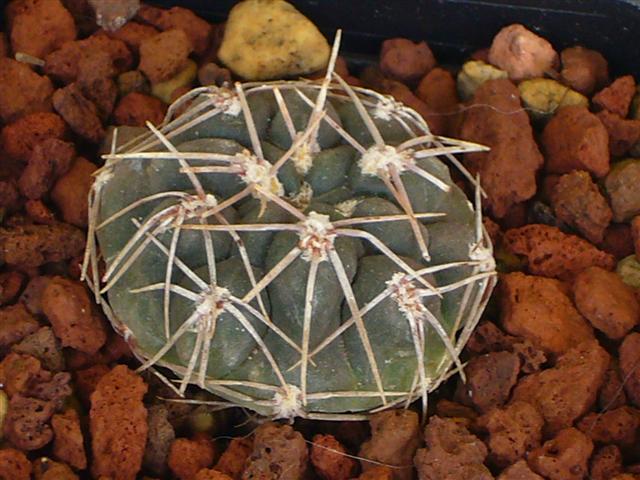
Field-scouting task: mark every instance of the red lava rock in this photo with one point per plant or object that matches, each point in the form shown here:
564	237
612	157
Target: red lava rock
514	431
31	297
11	283
519	471
329	460
22	91
539	309
531	357
17	372
164	55
565	457
616	98
623	133
71	191
438	91
37	211
577	201
79	112
14	465
618	240
522	53
43	345
64	63
403	94
509	135
569	389
395	437
27	422
629	353
75	322
406	61
279	453
198	30
448	409
68	443
379	472
47	469
49	159
606	301
28	246
135	109
490	378
19	138
16	323
40	27
133	34
611	394
232	460
617	426
487	337
95	78
188	457
210	474
9	196
87	379
4	45
51	387
118	420
606	463
552	253
584	70
576	139
451	453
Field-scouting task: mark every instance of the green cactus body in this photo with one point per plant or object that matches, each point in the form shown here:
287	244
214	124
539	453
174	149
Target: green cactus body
296	248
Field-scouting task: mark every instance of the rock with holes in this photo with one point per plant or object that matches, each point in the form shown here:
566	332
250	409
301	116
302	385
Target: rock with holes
297	249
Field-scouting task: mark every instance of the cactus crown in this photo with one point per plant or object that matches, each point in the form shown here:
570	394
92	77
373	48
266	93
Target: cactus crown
297	248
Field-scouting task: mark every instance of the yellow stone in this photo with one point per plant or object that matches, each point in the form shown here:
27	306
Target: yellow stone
543	96
268	39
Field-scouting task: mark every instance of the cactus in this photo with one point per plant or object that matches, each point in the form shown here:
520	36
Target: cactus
298	248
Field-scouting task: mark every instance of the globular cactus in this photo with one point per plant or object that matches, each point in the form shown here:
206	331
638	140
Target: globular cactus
297	248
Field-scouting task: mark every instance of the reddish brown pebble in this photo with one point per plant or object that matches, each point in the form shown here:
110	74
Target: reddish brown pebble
133	34
406	61
79	112
576	139
11	283
19	138
569	389
68	443
17	372
164	55
617	426
232	461
498	121
635	235
135	109
438	91
41	27
395	437
71	191
64	63
212	74
565	457
15	323
606	463
47	469
532	358
617	97
583	70
49	159
606	301
451	453
487	337
187	457
379	472
37	211
490	378
95	78
514	431
577	201
329	460
27	422
552	253
403	94
519	471
22	90
611	394
522	53
448	409
87	379
540	310
118	421
31	297
623	133
618	240
75	322
197	29
14	465
630	366
279	453
210	474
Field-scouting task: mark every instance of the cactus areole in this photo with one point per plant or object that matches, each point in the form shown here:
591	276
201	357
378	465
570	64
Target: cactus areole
296	248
